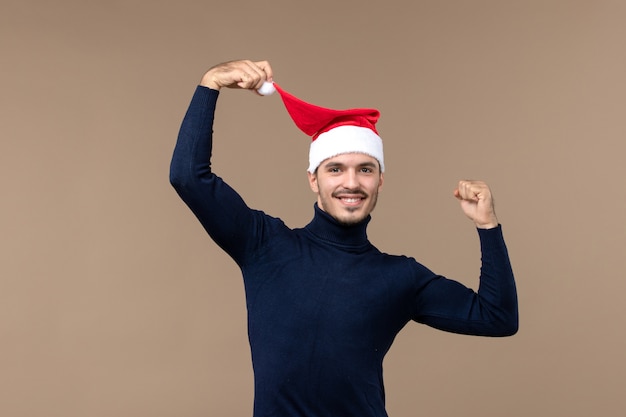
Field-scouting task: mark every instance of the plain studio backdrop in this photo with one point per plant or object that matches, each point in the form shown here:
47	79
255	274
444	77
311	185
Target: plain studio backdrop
114	301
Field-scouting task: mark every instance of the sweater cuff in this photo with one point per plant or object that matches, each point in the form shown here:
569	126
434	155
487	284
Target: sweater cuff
205	96
491	238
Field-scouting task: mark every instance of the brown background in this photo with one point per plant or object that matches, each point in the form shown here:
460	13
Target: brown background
114	302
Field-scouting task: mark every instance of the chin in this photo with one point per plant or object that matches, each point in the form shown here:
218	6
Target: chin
346	216
350	220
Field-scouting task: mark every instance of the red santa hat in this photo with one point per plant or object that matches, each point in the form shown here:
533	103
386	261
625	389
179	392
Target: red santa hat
333	132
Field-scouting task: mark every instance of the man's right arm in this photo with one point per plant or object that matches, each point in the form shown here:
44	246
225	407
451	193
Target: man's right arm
222	212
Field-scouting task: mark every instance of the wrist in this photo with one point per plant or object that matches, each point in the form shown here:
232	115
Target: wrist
487	226
209	81
488	222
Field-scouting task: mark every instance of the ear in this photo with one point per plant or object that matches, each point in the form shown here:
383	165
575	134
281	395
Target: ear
380	183
313	182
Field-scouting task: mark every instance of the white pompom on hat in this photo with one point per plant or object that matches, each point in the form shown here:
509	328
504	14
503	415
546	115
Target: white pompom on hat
333	132
267	89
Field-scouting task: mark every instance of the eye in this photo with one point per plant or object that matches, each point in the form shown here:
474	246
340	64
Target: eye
367	170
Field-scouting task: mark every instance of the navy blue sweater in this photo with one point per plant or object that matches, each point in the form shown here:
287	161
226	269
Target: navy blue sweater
324	305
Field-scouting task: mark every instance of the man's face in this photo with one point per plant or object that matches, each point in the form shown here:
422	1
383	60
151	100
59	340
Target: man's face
347	186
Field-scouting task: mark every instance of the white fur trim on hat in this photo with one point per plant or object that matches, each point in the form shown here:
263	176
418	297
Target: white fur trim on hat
345	139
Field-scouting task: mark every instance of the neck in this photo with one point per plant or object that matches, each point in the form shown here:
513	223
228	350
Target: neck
327	228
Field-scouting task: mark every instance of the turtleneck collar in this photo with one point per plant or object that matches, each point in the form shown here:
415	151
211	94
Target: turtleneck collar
325	227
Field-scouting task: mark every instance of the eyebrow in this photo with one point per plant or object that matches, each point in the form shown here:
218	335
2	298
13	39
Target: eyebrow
367	164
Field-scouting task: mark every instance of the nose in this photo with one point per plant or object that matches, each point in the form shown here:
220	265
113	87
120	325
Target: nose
351	180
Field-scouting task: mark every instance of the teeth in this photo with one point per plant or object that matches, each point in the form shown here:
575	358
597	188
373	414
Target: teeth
351	200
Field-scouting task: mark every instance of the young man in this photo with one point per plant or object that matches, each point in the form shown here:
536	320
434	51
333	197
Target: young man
324	305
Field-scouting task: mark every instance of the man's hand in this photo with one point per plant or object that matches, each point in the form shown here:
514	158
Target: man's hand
244	74
477	203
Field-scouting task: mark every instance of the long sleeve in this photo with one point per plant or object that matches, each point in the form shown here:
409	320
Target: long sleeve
220	210
491	311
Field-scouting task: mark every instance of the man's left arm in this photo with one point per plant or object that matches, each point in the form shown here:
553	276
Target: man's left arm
493	309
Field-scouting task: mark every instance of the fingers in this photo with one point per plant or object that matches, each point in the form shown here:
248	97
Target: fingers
244	74
471	190
267	69
252	75
477	203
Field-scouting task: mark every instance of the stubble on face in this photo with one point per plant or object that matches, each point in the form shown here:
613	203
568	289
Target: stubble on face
347	187
348	215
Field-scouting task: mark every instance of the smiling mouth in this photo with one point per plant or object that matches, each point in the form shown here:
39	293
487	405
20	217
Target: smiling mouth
351	201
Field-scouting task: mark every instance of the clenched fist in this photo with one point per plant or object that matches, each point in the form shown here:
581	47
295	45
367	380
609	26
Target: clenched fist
477	203
244	74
